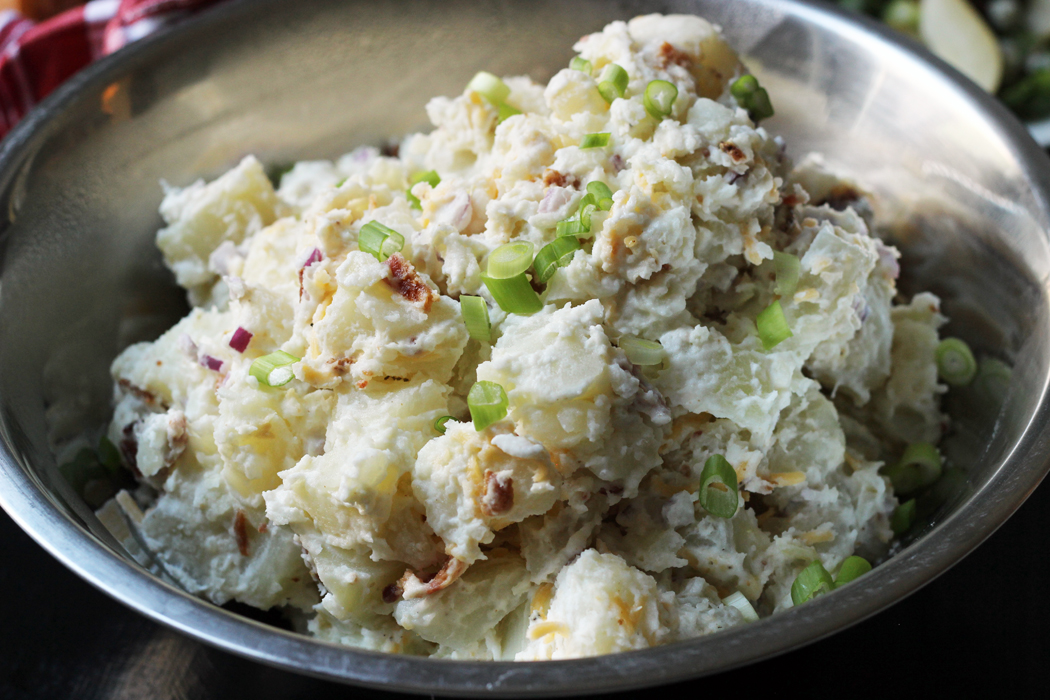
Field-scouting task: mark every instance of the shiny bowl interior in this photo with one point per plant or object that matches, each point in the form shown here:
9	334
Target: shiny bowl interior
959	179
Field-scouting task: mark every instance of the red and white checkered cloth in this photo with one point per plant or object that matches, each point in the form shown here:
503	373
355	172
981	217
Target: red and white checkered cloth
37	58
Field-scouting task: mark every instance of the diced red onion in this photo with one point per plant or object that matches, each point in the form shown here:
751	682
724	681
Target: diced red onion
888	261
187	346
617	162
212	363
315	257
457	213
555	199
734	176
240	339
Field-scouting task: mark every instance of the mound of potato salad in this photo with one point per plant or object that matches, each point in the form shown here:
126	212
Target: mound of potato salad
590	367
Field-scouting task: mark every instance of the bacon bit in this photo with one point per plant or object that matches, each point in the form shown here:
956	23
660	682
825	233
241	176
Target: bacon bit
407	282
146	397
553	177
499	494
341	366
264	527
129	448
159	363
733	151
240	531
362	384
177	437
417	586
669	54
791	200
392	593
617	162
841	196
390	150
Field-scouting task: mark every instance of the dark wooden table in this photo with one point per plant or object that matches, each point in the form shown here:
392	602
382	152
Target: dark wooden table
981	630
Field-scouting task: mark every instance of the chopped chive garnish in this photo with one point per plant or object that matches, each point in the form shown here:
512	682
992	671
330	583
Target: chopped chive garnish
955	362
718	487
851	569
595	140
273	370
506	111
788	268
557	253
476	315
659	98
919	467
380	241
739	601
752	97
490	87
514	295
600	191
581	64
510	260
488	404
812	581
903	517
439	424
642	352
613	82
772	326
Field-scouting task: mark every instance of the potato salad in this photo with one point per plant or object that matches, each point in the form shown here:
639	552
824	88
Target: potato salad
587	368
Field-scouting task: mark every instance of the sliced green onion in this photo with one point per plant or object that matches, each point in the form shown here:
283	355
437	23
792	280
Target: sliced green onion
439	424
613	82
571	227
600	191
557	253
788	269
955	362
600	140
273	370
430	177
510	260
919	467
851	569
514	295
341	182
812	581
739	601
993	379
718	487
488	404
752	97
659	98
506	111
109	455
642	352
772	326
380	241
581	64
476	315
605	203
490	87
903	517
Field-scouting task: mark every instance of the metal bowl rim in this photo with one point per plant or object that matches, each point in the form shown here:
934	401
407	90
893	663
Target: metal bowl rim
1013	480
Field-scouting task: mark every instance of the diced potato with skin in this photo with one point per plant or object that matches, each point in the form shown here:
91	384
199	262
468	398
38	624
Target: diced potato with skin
358	493
213	547
600	606
466	611
474	484
374	321
203	216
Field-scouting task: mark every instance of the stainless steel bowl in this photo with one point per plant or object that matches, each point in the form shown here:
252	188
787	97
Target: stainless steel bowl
80	276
